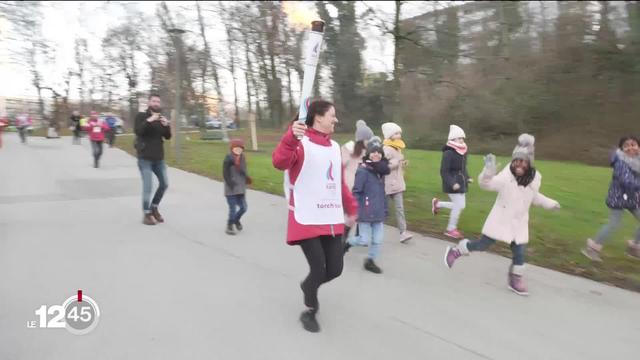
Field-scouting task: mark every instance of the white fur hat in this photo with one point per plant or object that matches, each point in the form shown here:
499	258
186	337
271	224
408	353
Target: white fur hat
389	129
525	149
456	132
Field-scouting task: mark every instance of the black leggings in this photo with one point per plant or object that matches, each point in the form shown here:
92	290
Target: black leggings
96	146
325	255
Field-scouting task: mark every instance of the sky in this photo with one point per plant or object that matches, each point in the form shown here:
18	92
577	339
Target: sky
65	21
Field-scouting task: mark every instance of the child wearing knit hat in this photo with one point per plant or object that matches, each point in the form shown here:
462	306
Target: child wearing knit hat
236	179
518	187
624	194
394	183
353	152
455	179
372	204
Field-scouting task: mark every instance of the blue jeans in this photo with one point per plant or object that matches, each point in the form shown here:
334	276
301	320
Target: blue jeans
615	216
369	233
518	250
237	207
147	168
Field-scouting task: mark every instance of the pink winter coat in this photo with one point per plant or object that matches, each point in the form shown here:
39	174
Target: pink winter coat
96	129
509	218
350	163
289	155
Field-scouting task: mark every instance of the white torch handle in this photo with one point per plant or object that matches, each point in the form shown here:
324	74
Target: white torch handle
311	56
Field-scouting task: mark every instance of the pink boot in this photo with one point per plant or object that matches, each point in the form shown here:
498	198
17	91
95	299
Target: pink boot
516	280
454	252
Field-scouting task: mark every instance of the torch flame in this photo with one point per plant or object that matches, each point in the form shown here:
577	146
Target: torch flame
299	13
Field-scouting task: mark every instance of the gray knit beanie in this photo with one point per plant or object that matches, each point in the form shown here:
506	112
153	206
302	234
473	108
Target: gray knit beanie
363	132
525	149
374	145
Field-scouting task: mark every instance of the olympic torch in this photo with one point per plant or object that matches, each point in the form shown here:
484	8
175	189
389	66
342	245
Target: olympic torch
311	55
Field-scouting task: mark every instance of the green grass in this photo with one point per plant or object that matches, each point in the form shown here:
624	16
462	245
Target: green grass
555	237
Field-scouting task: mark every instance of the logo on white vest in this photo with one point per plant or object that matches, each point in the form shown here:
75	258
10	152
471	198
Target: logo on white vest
331	182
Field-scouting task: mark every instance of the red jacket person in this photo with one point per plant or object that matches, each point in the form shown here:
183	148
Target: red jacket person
319	199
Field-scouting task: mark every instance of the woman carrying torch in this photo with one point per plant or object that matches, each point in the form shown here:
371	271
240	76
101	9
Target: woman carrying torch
317	193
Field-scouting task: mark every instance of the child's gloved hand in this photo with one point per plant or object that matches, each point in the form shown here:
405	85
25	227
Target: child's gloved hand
489	160
556	206
490	163
249	180
456	187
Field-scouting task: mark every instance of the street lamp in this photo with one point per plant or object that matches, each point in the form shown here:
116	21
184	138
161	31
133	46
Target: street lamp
176	38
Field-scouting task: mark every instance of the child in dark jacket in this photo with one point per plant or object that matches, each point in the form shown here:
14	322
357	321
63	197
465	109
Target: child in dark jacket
236	179
455	180
368	190
624	194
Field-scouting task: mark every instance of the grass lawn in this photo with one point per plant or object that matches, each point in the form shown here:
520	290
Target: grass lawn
555	237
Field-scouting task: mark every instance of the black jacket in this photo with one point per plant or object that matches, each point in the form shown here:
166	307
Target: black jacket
75	121
235	178
453	170
149	137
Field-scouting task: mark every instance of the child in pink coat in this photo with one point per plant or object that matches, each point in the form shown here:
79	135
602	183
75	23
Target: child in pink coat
518	187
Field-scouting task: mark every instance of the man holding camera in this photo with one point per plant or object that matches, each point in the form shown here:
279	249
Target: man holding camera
151	128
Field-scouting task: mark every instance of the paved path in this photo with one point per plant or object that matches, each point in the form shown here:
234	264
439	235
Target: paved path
184	290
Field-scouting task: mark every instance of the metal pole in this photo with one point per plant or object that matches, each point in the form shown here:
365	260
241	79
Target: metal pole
178	95
223	116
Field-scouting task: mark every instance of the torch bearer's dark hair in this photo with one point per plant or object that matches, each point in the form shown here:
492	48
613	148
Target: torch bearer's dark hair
318	107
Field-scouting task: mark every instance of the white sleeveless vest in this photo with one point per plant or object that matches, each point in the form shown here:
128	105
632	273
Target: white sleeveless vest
317	192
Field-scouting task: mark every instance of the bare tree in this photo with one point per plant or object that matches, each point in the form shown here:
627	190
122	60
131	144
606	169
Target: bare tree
121	46
229	16
29	46
81	57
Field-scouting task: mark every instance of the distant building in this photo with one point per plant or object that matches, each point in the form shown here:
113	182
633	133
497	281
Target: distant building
13	106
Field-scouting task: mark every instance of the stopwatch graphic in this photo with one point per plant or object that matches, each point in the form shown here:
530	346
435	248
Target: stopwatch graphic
78	314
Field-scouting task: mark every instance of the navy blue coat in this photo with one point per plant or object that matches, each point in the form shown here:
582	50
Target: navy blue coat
368	190
624	190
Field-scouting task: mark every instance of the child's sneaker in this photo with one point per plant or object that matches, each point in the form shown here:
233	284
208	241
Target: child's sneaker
455	233
405	236
434	206
230	230
633	249
592	251
369	265
238	226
